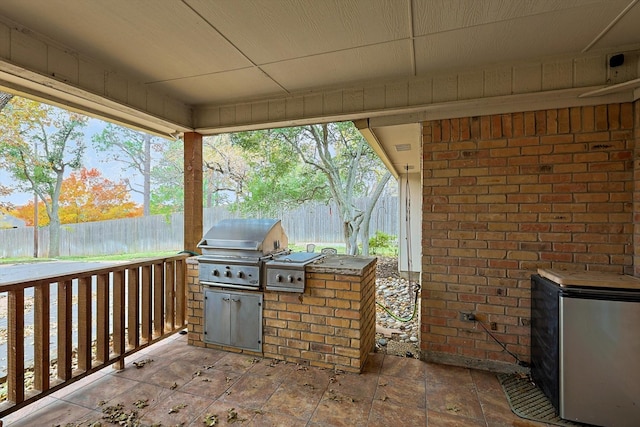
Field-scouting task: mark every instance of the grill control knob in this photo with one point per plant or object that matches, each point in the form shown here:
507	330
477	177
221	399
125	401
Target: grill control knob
215	273
290	278
278	277
227	273
240	274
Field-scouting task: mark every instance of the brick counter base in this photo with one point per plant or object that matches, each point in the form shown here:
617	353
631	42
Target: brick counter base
330	325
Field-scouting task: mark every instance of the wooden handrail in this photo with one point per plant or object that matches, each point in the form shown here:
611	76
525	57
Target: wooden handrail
147	299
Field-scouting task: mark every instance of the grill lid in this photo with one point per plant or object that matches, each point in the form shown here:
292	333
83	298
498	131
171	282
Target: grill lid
264	236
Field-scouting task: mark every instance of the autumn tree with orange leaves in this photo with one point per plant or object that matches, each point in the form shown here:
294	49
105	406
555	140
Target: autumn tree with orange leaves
86	196
39	144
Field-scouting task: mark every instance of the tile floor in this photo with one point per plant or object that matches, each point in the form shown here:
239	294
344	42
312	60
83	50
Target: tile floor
182	385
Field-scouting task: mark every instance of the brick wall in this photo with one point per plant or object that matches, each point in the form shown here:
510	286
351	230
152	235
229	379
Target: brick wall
331	324
506	194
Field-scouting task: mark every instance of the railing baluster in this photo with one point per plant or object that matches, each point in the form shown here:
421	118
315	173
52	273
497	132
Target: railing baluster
158	300
133	308
181	296
15	353
159	286
147	314
41	327
102	318
65	322
118	317
169	296
84	323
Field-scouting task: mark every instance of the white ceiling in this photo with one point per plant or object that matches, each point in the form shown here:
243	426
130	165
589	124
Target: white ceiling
218	52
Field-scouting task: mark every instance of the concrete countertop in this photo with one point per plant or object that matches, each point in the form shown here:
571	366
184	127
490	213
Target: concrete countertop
567	278
343	264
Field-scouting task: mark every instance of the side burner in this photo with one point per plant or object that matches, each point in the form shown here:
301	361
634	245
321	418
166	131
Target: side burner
287	272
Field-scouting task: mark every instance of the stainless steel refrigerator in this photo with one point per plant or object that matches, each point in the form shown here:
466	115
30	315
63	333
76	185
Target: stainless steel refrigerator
598	356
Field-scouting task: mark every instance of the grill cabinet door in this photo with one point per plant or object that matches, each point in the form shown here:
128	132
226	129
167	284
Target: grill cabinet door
217	308
246	321
233	319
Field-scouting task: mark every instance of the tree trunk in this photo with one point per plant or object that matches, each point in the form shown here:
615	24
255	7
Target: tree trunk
4	99
147	175
54	236
366	220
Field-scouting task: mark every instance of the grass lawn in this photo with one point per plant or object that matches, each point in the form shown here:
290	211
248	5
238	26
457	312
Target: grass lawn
386	251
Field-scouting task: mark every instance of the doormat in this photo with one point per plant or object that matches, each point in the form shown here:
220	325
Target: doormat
528	401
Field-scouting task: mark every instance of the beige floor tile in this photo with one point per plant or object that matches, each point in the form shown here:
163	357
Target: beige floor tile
391	391
401	392
404	367
461	400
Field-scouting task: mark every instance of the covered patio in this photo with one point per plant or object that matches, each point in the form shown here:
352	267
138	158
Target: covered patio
486	109
176	385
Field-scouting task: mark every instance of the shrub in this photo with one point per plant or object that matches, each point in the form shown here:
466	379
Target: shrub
381	240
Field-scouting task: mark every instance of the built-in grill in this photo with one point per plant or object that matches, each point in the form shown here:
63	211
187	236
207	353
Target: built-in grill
237	257
234	252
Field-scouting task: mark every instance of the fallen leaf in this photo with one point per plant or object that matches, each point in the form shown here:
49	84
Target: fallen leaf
197	373
177	408
115	414
141	403
232	416
140	364
210	420
453	408
174	386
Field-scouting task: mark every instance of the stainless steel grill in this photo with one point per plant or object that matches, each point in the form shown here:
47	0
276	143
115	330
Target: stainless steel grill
237	256
234	252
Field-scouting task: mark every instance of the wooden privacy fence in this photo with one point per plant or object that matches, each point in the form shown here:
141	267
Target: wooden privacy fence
136	304
309	223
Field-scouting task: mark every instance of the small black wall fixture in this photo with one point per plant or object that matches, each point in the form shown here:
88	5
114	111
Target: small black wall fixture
616	60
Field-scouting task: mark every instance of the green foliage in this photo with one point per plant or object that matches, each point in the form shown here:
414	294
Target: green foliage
325	162
381	240
277	178
168	176
166	200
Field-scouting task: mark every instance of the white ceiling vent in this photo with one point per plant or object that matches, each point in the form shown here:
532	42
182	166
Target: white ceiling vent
403	147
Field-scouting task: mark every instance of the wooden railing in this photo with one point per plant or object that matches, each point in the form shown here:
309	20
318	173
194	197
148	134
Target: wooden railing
136	304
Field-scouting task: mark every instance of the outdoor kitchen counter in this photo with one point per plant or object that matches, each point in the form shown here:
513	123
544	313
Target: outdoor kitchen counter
331	324
344	264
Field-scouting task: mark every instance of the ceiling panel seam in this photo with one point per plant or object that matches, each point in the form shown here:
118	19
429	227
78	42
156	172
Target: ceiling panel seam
240	51
610	25
412	37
